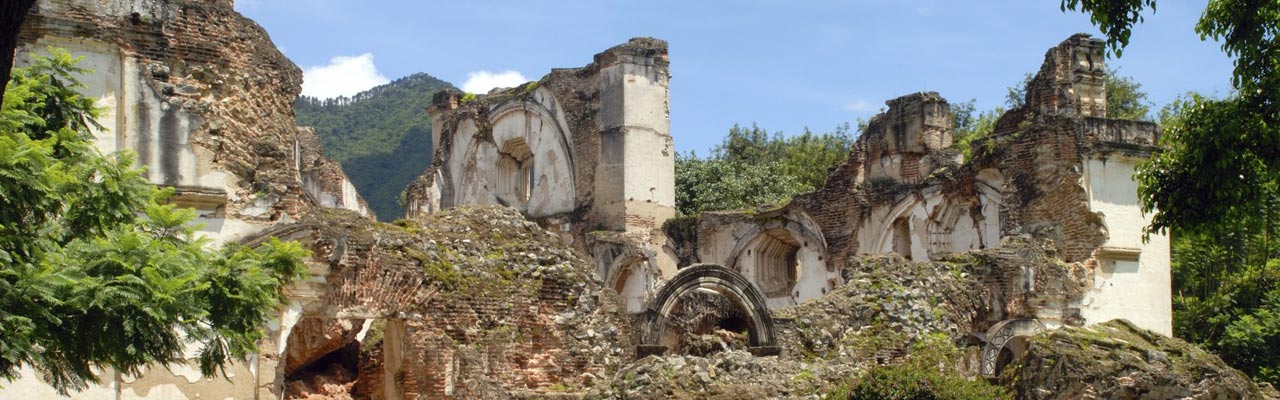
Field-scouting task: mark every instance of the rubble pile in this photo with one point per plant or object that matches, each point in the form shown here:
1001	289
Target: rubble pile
1117	360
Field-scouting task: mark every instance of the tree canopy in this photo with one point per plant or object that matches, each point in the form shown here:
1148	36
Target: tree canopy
1219	153
96	270
1215	184
751	168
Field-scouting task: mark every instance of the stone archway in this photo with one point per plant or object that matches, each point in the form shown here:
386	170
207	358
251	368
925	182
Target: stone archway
703	278
1006	341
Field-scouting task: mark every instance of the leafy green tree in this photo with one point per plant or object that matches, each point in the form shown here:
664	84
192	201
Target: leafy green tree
95	270
715	184
806	156
971	125
1225	271
751	167
12	13
1222	151
1216	184
1125	98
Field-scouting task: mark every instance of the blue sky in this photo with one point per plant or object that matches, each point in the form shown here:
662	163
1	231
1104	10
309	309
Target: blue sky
784	65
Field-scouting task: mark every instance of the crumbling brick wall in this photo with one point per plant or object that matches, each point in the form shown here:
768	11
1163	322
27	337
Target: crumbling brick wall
206	59
492	304
1028	179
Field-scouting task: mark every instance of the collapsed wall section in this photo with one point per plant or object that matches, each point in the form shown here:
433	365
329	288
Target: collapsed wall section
204	100
470	302
1055	169
587	152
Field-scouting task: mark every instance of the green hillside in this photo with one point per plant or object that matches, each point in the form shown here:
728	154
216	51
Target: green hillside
382	136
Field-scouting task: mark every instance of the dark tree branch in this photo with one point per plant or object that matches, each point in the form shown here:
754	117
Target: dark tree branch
12	13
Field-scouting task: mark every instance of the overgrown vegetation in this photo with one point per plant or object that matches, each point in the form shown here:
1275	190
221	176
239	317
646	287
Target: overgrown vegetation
96	271
1215	187
381	137
1226	271
929	375
971	125
751	168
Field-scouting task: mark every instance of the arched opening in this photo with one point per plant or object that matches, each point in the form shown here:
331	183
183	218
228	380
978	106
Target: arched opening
631	281
1006	342
776	266
902	237
1010	353
705	322
621	282
707	299
323	357
515	173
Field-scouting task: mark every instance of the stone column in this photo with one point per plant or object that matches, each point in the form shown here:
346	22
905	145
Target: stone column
635	180
393	349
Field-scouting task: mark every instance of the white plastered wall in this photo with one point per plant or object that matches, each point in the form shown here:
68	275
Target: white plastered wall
964	232
1132	278
811	281
553	189
734	245
103	84
473	163
635	180
636	283
121	91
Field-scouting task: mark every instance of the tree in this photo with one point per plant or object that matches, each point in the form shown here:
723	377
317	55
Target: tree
95	269
717	184
1215	186
971	125
1225	271
12	13
750	168
1221	152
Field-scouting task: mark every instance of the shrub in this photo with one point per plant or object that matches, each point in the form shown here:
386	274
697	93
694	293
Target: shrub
911	382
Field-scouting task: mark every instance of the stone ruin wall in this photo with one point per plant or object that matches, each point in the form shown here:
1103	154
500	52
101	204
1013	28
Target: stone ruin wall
205	101
598	137
1055	170
228	97
442	308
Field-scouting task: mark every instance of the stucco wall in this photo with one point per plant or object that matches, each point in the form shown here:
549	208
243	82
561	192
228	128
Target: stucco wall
1132	279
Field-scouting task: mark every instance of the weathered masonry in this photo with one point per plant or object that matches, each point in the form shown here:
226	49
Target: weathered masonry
478	302
585	151
1056	170
204	100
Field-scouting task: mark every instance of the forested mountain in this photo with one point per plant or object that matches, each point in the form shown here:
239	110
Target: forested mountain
382	136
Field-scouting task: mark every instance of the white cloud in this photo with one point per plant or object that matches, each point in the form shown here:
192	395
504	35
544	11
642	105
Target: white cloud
344	76
484	81
857	106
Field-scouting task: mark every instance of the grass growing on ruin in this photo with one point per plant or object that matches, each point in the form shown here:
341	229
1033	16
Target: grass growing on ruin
930	374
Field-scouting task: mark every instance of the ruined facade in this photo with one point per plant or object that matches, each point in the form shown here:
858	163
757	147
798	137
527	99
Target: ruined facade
204	101
586	152
1039	226
1056	169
